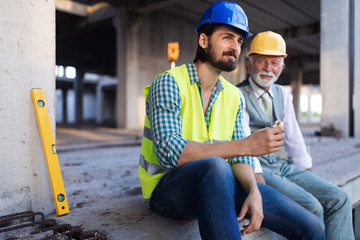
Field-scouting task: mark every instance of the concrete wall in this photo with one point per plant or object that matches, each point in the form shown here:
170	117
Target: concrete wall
334	65
27	60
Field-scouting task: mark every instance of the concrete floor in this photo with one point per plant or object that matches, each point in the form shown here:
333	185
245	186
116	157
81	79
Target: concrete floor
99	169
103	189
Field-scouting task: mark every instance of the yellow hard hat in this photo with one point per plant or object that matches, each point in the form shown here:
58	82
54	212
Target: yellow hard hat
268	43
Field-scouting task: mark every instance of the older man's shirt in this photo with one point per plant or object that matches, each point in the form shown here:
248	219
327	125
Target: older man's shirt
294	141
163	110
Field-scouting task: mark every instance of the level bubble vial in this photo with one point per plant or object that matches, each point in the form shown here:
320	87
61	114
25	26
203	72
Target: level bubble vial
40	103
61	197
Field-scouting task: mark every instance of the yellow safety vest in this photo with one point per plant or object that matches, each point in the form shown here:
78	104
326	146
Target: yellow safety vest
221	128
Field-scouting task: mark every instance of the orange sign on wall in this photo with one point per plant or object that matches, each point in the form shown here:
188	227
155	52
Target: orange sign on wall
173	51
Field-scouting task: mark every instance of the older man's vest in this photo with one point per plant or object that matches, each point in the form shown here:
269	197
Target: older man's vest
258	118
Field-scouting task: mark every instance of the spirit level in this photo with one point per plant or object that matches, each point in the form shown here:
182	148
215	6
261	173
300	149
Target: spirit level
52	162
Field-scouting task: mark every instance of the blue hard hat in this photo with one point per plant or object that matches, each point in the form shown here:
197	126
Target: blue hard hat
228	13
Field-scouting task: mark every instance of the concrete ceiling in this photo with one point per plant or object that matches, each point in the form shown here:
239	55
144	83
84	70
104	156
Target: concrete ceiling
91	46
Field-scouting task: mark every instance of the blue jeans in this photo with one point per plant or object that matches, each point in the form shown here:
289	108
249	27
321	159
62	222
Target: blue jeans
322	198
206	190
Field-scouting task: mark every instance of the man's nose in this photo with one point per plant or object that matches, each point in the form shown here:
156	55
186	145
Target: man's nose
267	67
236	46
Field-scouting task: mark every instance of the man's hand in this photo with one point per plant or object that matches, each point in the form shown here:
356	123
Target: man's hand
264	141
252	206
253	203
259	178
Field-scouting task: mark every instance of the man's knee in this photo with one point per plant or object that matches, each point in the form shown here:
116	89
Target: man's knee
217	170
340	199
217	165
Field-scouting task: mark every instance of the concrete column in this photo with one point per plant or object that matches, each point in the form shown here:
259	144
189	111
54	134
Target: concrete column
132	75
356	217
64	105
100	100
99	104
296	73
79	92
309	111
356	99
27	60
127	68
120	23
334	66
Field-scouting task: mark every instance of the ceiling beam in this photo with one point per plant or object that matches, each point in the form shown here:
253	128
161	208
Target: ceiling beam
79	9
300	31
155	6
74	8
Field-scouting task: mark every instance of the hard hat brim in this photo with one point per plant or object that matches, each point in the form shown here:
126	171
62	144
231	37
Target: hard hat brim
245	34
266	54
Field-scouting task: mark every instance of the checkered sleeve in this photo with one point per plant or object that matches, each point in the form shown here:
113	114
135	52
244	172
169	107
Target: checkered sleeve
163	110
239	134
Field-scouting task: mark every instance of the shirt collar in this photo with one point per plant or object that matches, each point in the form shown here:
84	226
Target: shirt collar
194	77
258	91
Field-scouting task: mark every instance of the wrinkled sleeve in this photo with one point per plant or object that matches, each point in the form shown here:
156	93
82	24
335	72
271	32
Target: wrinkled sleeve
239	134
163	110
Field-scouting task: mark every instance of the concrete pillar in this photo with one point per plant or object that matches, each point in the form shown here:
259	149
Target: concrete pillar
27	60
296	73
356	217
79	92
356	99
127	68
133	68
120	23
100	100
64	105
309	110
334	66
99	104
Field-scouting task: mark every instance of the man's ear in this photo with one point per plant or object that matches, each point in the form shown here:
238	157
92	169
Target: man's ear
282	68
203	40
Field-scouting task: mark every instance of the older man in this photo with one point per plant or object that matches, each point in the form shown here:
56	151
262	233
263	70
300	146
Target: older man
267	102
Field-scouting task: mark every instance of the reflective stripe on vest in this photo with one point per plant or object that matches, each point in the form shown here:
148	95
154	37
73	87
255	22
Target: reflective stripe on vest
151	168
221	126
147	133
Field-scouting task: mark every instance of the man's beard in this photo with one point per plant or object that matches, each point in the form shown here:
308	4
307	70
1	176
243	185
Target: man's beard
223	65
264	82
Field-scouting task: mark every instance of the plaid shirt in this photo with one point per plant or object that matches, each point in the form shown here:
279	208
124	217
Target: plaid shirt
163	110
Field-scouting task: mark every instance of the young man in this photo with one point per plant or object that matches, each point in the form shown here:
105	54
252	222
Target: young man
267	102
192	127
